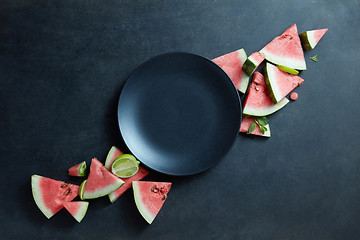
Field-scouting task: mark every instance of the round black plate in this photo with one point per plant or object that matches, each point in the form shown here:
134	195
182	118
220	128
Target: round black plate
179	113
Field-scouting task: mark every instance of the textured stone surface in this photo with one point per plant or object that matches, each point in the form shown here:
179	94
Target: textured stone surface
62	67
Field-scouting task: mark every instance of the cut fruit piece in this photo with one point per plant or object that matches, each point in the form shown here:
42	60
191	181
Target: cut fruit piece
124	167
288	70
286	50
245	125
81	190
128	183
77	209
310	39
150	197
258	101
280	83
78	170
232	63
50	194
100	181
252	62
114	152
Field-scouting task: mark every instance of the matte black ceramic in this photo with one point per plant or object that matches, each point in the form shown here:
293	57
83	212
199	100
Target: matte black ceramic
179	113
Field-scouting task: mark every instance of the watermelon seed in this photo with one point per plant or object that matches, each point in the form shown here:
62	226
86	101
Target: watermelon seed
163	197
256	88
154	189
64	185
67	192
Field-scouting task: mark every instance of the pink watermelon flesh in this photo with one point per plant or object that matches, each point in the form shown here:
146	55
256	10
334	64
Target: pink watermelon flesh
113	153
150	197
232	63
50	194
78	170
257	58
286	50
245	125
77	209
128	183
258	101
100	181
280	83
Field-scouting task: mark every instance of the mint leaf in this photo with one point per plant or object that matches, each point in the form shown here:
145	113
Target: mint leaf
263	129
252	127
314	58
262	121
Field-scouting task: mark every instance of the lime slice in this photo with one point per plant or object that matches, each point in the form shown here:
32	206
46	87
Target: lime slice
124	167
288	70
81	190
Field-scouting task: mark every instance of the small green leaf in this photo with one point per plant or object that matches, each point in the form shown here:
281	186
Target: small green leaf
262	121
262	129
314	58
252	127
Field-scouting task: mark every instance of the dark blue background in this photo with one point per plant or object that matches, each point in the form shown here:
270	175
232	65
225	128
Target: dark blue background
62	67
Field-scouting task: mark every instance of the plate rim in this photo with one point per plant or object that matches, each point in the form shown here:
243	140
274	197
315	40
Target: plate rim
232	141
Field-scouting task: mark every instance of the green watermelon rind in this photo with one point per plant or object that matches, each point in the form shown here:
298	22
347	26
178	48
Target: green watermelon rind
273	94
256	112
142	209
305	41
249	67
38	197
82	169
245	78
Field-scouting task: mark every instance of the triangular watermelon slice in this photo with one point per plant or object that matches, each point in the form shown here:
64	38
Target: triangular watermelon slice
79	170
128	183
280	83
232	63
50	194
245	125
77	209
100	181
286	50
258	101
252	62
150	197
310	39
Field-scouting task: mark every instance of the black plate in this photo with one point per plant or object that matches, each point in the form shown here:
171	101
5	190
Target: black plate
179	113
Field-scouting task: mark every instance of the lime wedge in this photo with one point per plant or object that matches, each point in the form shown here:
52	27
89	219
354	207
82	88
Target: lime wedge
81	190
125	167
288	70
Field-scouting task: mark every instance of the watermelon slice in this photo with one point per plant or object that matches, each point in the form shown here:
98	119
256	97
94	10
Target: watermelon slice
100	181
50	194
128	183
286	50
77	209
252	62
113	153
258	101
310	39
150	197
78	170
245	125
232	63
280	83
